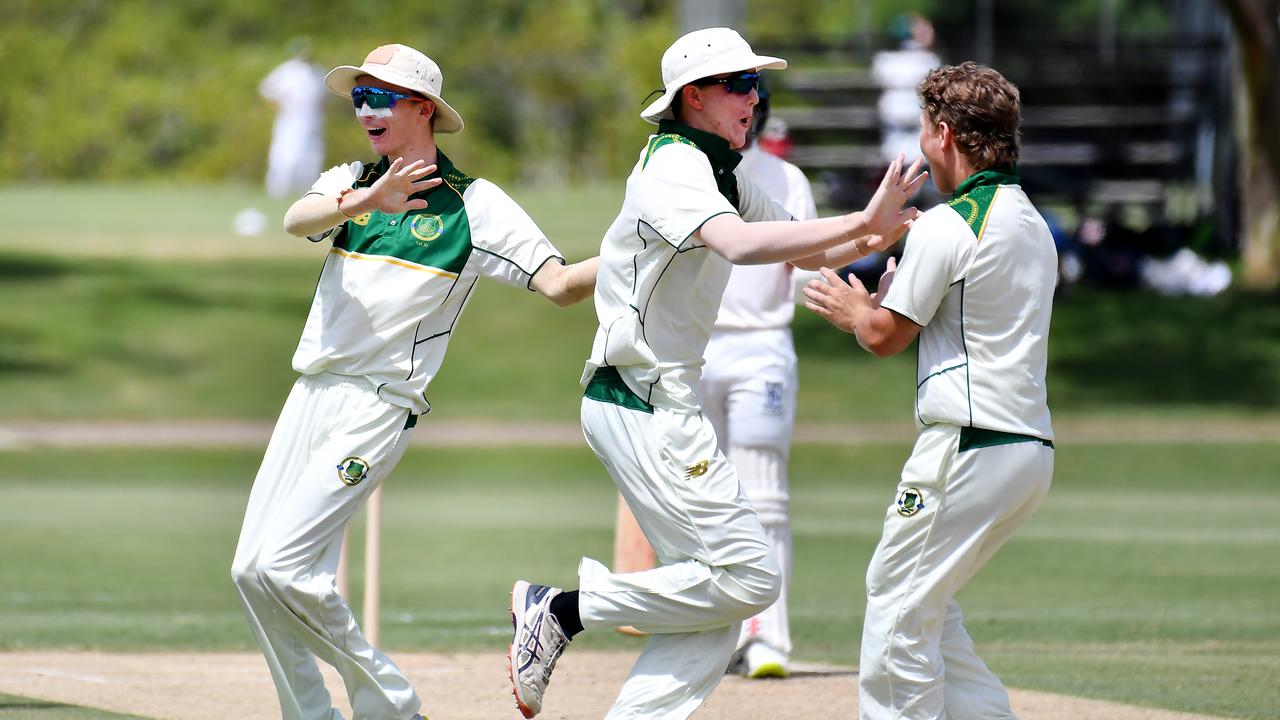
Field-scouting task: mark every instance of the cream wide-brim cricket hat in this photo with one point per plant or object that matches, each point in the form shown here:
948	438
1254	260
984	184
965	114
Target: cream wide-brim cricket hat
400	65
700	54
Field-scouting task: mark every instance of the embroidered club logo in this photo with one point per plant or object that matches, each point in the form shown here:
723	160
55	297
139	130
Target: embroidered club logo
697	469
426	227
910	502
362	219
353	470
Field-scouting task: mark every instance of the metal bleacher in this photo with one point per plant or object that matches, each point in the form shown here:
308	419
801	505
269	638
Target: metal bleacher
1096	131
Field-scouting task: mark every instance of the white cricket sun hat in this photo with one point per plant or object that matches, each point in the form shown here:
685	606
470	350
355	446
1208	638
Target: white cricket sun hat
700	54
400	65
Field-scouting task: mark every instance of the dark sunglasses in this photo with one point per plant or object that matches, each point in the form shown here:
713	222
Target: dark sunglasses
377	97
740	84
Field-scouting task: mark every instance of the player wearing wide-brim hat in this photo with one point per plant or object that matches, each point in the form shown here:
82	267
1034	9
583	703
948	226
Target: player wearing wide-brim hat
688	215
410	235
703	54
400	65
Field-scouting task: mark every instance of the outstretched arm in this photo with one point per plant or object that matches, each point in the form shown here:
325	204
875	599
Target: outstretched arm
315	213
745	243
565	285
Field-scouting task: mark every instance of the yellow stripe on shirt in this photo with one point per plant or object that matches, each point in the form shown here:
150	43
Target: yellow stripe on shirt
393	261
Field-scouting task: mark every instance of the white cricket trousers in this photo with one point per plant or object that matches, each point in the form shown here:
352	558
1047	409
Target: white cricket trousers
954	510
749	388
287	558
714	564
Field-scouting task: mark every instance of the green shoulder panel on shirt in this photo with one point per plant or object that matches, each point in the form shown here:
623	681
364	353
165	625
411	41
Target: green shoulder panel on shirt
436	237
974	205
973	198
658	141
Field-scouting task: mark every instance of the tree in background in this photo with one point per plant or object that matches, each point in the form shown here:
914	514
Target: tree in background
1257	26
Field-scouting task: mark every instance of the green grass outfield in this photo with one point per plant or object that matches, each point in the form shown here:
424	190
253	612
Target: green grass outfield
13	707
155	339
137	302
1149	575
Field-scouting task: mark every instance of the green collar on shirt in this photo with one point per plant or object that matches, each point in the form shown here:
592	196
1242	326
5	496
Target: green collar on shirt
444	168
1002	175
722	157
972	200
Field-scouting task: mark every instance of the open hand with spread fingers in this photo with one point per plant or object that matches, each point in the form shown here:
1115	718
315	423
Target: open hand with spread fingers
884	214
391	192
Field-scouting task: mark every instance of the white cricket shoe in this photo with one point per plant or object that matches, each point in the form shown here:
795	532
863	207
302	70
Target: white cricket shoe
536	644
762	661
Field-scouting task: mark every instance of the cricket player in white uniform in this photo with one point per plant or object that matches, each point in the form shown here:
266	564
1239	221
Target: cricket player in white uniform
687	217
749	388
976	284
410	237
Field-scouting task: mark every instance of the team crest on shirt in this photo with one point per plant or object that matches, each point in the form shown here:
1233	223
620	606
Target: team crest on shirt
352	470
426	227
910	502
362	219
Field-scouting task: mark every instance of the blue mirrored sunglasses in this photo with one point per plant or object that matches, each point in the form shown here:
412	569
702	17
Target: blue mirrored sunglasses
740	84
377	97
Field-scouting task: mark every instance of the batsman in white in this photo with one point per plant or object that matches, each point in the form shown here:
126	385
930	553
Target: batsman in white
688	215
749	388
410	236
976	285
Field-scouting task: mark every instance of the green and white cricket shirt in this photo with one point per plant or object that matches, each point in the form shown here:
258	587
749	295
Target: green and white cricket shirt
978	276
393	286
658	287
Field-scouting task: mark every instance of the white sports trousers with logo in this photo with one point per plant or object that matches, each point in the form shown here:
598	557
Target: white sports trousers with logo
981	286
384	311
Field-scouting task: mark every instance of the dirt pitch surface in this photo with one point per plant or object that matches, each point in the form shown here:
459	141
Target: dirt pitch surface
454	687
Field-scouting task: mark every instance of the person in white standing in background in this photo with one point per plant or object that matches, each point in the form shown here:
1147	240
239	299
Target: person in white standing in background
411	235
295	88
687	217
898	72
976	285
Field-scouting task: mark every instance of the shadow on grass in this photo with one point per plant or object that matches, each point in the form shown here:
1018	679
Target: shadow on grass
17	267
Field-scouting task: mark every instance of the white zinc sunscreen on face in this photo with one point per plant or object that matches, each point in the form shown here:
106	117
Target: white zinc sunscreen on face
366	111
